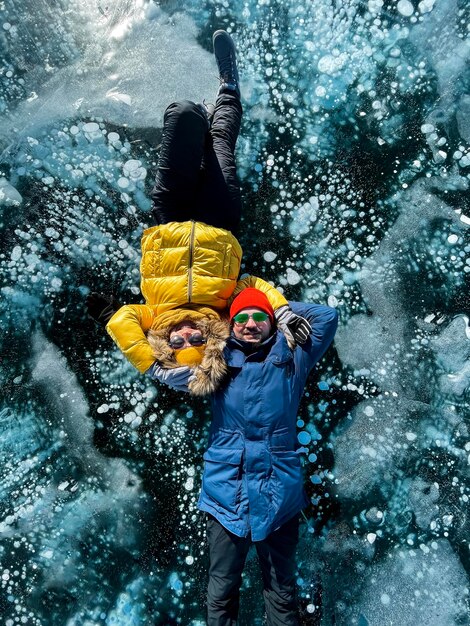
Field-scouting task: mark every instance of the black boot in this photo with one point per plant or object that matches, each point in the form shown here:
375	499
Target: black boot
101	308
224	51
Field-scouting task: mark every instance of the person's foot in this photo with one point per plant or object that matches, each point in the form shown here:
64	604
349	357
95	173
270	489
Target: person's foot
101	308
208	109
224	51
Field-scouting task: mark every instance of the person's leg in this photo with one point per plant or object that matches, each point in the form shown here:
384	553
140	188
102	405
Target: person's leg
277	560
220	190
220	196
185	127
227	554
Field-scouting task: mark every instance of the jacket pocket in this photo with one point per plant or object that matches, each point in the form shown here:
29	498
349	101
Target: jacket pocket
281	441
221	480
286	482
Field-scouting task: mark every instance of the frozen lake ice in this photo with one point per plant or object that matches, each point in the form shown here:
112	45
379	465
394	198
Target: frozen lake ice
355	166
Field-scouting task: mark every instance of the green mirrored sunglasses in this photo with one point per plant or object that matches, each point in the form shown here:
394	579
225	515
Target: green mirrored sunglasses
242	318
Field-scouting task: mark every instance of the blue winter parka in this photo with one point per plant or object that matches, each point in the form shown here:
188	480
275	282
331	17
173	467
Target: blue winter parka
252	480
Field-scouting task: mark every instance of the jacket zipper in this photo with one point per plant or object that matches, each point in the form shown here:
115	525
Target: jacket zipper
191	253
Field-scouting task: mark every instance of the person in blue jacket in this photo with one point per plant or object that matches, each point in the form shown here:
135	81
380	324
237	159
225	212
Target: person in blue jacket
252	488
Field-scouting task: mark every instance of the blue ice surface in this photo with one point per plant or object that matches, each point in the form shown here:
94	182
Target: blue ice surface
354	159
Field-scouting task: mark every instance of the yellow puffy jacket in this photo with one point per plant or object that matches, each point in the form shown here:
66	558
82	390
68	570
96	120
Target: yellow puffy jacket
189	270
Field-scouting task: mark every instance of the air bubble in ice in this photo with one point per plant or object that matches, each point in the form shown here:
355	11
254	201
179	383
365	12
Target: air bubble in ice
113	137
9	196
330	64
269	256
427	128
304	437
92	131
123	182
426	5
119	97
405	8
293	278
133	169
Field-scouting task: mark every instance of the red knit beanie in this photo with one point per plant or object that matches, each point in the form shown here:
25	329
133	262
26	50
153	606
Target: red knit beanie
251	298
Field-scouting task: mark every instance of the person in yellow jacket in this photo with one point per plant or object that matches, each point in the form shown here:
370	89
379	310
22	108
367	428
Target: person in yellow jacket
191	258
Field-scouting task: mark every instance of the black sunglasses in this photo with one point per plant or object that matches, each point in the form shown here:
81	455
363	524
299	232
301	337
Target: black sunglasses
177	341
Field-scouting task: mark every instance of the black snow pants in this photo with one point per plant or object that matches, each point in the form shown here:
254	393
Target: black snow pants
276	555
196	175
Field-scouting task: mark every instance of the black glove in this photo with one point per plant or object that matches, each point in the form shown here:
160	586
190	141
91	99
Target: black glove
101	308
295	328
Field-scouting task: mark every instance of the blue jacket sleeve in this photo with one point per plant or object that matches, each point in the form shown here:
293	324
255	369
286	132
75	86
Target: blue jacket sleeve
324	321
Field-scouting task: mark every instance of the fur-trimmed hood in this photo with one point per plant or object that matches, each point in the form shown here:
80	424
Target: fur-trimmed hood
209	374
